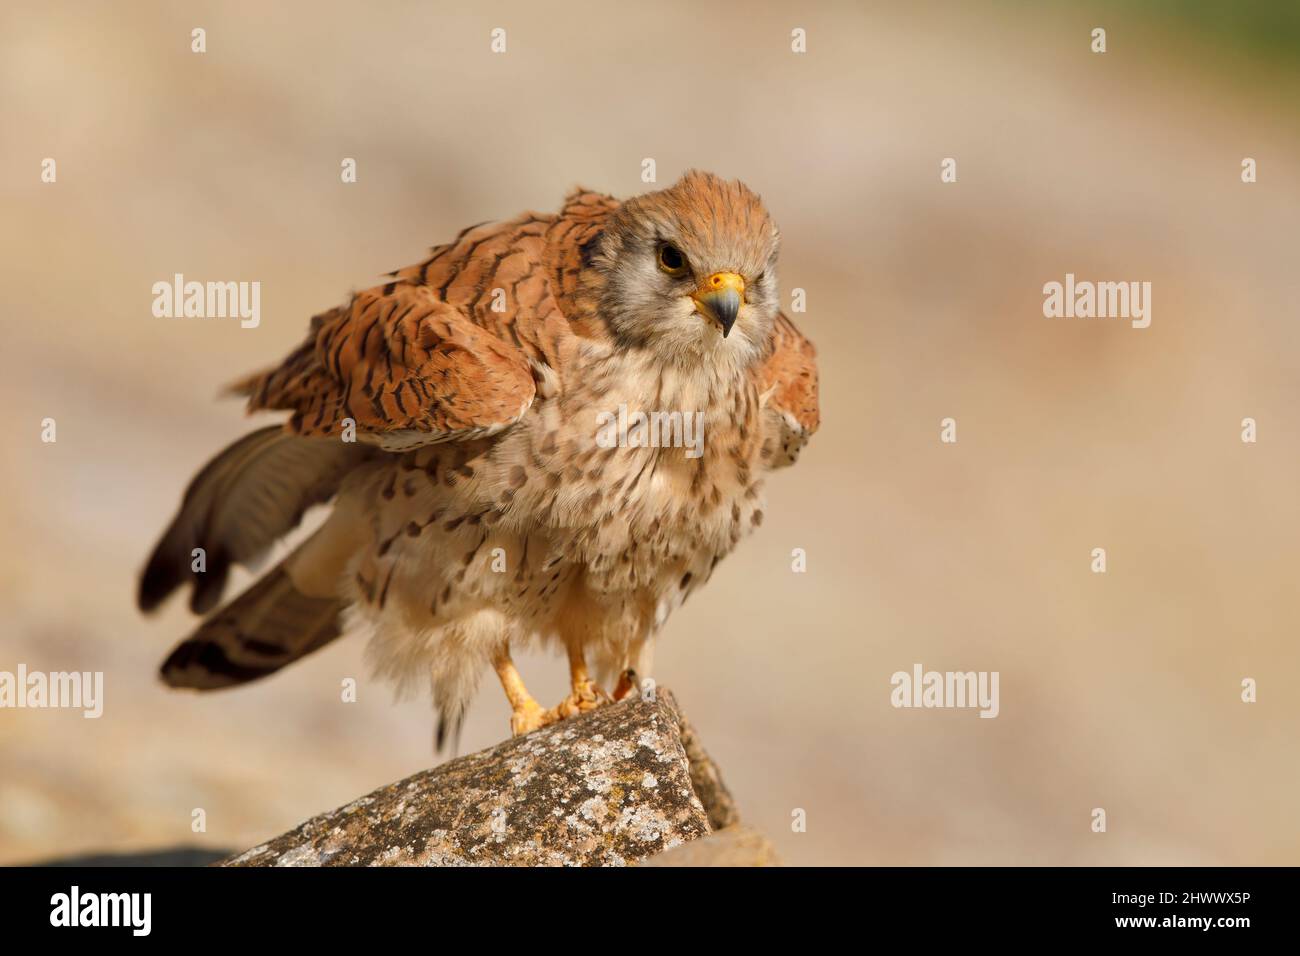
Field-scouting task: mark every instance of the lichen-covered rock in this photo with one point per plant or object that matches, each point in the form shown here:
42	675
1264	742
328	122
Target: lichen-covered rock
706	780
609	787
734	846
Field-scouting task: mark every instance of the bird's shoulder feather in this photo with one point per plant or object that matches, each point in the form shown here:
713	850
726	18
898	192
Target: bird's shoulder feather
448	349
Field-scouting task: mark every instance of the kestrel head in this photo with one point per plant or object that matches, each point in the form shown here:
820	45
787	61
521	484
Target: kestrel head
690	271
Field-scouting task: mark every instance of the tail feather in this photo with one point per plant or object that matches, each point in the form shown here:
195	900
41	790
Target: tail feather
268	626
245	499
446	735
250	495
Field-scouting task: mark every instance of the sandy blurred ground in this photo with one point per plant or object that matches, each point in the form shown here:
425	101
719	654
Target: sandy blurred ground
1118	691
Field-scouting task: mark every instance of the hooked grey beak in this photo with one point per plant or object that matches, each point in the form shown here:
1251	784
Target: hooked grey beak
720	297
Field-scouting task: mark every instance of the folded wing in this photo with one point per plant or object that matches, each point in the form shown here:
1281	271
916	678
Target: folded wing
403	367
788	382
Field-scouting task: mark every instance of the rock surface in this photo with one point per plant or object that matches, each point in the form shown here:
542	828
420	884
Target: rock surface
611	787
734	846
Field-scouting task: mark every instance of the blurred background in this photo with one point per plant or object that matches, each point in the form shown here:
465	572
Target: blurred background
1119	691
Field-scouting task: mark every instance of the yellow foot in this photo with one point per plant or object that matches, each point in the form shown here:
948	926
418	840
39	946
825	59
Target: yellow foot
530	716
527	715
586	696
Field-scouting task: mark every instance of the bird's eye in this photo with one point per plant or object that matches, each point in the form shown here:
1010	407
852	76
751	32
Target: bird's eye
671	260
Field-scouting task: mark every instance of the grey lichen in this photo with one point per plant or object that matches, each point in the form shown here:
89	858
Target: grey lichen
608	788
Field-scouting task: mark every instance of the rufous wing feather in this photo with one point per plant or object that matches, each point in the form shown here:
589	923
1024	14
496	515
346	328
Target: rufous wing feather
788	383
405	367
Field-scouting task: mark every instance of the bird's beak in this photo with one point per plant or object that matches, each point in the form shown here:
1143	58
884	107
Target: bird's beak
719	297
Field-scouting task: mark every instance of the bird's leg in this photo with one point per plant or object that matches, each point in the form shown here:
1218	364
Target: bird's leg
585	694
527	715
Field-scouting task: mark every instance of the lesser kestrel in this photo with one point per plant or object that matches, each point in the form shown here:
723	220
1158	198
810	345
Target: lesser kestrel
552	429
